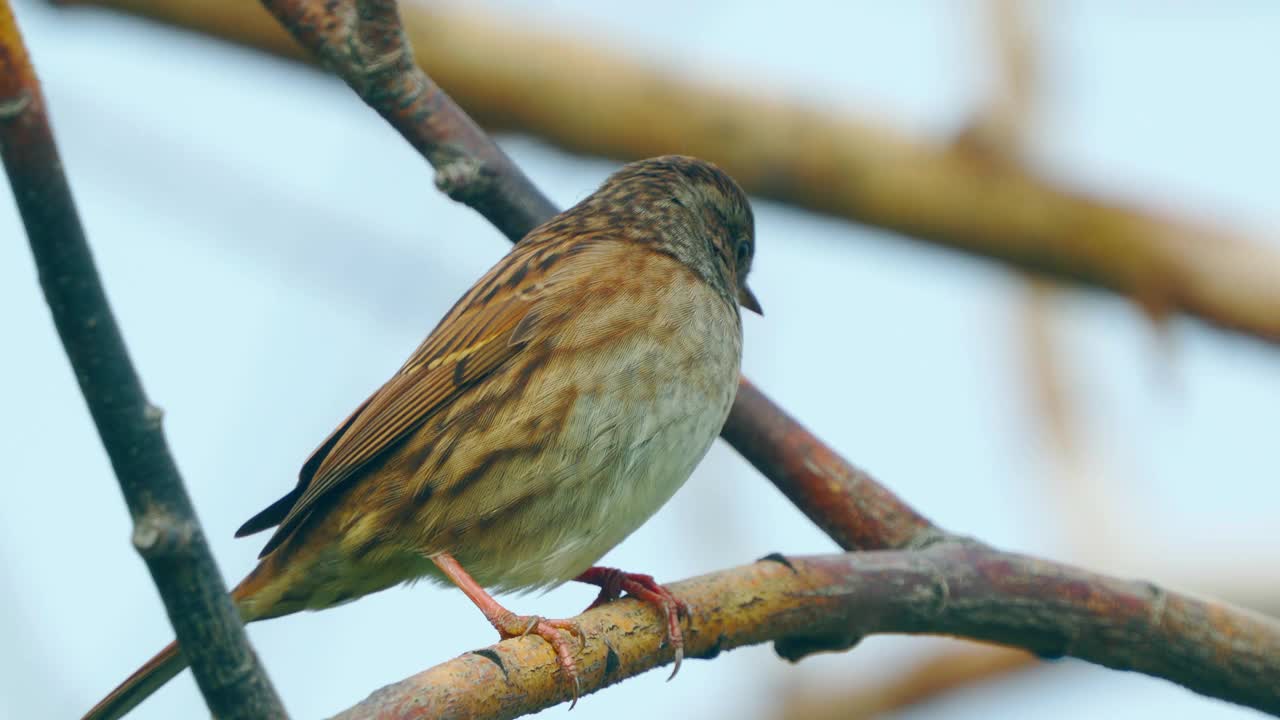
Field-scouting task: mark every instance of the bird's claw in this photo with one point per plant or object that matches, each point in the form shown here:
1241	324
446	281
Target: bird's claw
553	632
614	582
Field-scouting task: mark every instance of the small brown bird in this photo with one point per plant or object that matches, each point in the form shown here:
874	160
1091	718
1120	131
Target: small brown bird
553	410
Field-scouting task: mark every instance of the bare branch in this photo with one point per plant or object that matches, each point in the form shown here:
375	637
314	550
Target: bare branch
166	531
814	604
364	43
847	503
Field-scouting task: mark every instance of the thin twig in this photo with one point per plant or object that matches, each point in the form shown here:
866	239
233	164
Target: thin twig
815	604
166	531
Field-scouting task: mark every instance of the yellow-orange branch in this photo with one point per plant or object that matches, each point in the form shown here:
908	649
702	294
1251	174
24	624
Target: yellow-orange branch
812	604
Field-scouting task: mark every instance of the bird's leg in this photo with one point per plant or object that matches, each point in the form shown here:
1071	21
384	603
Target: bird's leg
614	582
509	624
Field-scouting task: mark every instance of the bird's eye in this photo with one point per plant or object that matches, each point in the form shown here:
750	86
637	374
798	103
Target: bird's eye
744	252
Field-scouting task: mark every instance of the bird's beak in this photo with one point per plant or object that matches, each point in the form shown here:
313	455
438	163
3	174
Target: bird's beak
749	301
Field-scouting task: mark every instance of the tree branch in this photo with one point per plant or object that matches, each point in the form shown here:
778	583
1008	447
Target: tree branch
940	584
364	44
166	531
841	499
822	603
591	100
927	679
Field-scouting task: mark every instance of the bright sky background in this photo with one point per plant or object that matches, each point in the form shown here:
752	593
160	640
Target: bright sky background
273	251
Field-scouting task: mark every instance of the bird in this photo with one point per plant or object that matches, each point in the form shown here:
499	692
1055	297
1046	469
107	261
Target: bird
565	397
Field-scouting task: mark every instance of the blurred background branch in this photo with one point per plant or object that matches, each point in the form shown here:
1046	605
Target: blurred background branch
1094	530
167	532
591	100
927	679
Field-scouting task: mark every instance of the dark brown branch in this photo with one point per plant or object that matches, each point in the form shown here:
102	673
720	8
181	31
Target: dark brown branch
365	45
813	604
847	503
166	531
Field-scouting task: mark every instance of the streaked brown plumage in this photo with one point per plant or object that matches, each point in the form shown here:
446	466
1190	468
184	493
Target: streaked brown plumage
553	410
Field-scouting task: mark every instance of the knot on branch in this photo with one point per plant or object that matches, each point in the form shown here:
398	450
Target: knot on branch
376	60
939	588
153	416
711	652
927	537
779	558
798	647
1159	602
378	46
158	534
13	107
464	178
492	655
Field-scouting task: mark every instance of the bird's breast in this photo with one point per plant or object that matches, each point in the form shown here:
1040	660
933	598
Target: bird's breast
619	413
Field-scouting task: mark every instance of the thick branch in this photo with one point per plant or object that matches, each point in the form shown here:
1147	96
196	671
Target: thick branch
807	605
592	100
166	531
1235	582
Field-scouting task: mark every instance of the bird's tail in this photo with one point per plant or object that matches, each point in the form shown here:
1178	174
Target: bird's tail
139	686
170	661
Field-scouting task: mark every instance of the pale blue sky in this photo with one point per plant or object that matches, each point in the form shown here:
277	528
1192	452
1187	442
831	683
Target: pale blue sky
273	251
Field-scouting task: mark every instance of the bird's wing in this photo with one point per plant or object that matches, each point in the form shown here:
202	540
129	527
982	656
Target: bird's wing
484	330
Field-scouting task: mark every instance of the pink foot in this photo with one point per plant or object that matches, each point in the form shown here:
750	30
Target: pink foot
614	582
509	624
